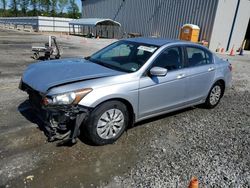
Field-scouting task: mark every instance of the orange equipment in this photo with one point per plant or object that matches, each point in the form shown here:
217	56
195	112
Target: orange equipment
190	32
232	51
193	183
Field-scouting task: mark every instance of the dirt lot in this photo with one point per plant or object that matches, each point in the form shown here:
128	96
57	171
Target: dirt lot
167	151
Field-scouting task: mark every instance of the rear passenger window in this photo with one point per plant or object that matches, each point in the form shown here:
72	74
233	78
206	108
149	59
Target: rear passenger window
197	57
169	59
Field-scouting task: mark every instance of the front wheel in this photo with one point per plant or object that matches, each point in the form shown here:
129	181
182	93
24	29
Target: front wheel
107	122
214	95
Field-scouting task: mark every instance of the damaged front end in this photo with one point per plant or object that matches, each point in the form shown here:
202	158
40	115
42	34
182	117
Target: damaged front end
63	122
61	115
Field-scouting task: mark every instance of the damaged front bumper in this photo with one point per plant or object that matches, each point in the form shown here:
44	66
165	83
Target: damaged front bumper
64	122
59	122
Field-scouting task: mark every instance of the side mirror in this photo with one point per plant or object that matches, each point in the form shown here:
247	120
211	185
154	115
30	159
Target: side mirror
158	71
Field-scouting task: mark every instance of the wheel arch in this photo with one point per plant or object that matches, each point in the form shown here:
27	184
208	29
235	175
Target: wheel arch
129	106
222	83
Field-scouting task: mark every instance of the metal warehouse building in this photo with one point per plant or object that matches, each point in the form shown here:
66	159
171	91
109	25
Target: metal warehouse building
223	23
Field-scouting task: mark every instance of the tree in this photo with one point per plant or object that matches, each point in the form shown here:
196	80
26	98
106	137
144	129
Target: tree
3	2
24	6
73	9
46	7
53	7
13	7
40	5
34	4
62	4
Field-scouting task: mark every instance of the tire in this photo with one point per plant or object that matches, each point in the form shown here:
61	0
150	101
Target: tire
214	96
106	123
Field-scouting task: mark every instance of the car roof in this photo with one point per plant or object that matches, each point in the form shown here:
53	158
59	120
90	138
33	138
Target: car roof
152	41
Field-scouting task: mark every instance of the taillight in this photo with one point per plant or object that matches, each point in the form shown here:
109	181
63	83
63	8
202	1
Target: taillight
230	67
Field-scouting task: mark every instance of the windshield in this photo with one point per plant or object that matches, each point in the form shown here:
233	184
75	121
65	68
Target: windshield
124	56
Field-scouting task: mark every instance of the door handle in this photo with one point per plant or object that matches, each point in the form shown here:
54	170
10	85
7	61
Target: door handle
180	76
211	69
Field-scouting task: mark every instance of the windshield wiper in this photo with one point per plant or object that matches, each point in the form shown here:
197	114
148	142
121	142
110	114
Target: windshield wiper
97	62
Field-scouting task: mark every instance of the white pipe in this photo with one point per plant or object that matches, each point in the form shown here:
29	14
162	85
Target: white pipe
49	41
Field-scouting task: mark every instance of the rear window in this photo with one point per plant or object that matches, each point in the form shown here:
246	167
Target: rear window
198	57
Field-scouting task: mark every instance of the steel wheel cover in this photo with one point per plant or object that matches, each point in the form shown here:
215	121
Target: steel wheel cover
215	95
110	123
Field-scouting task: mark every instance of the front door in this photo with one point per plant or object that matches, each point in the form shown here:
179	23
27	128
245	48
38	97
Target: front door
161	93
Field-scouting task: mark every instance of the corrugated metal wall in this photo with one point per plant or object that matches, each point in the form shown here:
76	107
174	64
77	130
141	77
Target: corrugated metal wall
162	18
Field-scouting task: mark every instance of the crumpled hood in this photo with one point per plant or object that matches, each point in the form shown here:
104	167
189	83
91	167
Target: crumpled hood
44	75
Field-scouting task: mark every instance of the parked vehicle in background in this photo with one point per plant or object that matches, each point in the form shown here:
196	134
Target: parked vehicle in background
126	82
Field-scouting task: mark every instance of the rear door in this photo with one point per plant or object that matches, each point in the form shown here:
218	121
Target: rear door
161	93
201	71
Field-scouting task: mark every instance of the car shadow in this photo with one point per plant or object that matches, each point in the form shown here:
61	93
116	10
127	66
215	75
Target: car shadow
26	111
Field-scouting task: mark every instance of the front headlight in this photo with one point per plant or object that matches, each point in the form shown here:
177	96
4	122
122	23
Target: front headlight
73	97
66	98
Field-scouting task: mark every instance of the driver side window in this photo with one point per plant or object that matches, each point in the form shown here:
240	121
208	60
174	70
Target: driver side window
170	59
119	51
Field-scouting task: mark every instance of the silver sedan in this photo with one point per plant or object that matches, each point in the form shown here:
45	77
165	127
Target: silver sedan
126	82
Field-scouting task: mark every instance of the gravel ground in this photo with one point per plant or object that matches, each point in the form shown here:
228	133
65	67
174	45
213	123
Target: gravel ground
166	151
213	145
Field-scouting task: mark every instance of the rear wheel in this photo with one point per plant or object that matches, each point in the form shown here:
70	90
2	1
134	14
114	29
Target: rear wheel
214	95
107	122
